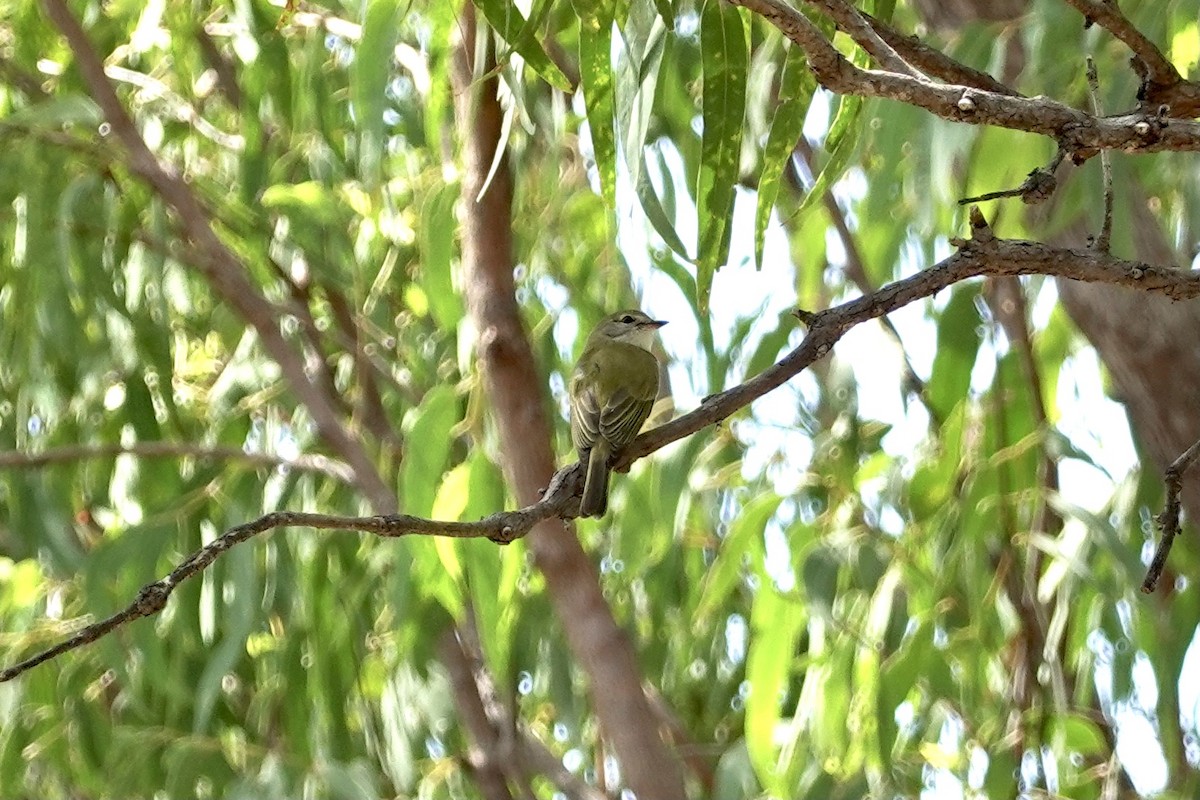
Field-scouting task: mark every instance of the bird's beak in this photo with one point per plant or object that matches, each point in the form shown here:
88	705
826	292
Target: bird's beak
655	323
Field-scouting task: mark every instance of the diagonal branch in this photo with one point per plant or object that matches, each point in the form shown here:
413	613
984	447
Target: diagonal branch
981	255
934	62
1158	70
855	24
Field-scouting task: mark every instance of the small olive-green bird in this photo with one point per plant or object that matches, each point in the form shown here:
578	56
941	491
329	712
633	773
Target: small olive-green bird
612	391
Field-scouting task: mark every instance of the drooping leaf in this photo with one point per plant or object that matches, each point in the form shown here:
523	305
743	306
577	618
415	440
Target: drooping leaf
724	59
372	69
596	78
796	88
521	35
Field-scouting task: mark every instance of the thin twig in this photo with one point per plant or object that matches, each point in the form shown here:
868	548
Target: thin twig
1107	14
1038	186
1103	240
1168	520
848	18
153	597
309	462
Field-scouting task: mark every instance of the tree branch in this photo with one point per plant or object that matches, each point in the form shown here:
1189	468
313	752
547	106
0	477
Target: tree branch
1158	70
935	63
310	462
216	262
1168	520
1081	134
981	255
153	597
848	18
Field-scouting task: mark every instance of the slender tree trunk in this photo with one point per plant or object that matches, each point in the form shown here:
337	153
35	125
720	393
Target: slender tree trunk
516	391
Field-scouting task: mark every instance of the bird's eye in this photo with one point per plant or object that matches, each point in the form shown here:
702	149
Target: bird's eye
627	319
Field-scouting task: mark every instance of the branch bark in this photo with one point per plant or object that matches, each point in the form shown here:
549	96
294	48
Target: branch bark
590	628
312	462
1081	134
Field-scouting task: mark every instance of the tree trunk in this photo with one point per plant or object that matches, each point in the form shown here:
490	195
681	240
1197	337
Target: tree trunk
516	391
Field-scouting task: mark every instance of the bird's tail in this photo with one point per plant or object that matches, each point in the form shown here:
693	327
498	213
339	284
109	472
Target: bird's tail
595	485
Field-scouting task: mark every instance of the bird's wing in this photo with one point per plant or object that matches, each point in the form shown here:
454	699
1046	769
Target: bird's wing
585	419
622	417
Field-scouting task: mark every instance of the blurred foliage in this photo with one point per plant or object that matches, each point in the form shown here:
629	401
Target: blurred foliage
828	609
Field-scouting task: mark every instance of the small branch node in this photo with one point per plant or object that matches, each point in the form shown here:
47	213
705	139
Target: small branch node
966	103
981	231
809	318
506	535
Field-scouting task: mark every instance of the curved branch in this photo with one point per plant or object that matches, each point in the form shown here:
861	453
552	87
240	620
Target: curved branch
981	255
153	597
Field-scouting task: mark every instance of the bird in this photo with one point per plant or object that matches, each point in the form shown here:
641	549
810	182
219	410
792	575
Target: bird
613	388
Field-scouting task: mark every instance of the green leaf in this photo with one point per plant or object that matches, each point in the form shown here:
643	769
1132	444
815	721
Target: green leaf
57	112
642	41
240	593
666	10
724	59
596	78
437	254
899	675
520	34
1078	734
429	424
734	776
958	345
840	144
775	627
796	89
368	84
744	540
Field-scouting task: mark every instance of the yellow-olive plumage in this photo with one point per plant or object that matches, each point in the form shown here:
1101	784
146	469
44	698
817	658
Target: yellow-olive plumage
613	388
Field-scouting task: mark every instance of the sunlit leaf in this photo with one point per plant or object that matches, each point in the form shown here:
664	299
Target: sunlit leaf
520	34
724	56
796	89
